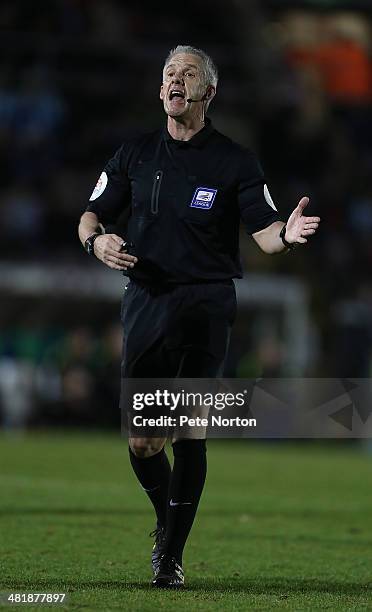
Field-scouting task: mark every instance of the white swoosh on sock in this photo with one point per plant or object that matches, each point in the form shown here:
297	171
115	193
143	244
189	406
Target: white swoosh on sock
149	490
172	503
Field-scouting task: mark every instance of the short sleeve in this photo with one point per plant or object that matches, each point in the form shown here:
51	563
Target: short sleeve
112	194
257	209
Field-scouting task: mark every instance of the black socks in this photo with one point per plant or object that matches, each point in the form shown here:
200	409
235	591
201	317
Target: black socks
186	486
154	475
175	495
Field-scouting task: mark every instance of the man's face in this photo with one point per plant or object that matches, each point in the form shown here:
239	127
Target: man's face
183	78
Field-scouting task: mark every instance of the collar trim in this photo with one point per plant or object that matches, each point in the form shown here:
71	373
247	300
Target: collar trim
197	140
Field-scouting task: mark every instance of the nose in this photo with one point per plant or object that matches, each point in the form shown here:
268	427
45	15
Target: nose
177	78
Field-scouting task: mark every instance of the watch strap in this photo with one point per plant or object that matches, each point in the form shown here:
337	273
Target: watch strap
89	243
288	245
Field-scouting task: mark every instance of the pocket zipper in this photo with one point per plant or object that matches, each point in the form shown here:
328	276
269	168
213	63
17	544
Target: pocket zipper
155	192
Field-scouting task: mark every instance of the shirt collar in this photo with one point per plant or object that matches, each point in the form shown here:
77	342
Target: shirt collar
197	140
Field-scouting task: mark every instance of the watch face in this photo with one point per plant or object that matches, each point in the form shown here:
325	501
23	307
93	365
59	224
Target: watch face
89	244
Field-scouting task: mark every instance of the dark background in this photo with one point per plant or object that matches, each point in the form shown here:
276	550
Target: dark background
76	78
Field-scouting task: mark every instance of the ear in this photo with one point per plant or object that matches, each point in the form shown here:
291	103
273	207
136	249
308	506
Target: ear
161	94
210	93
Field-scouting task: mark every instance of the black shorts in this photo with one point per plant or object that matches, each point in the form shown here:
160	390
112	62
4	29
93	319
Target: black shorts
179	331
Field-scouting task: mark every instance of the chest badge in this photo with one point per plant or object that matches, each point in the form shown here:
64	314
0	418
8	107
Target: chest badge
203	198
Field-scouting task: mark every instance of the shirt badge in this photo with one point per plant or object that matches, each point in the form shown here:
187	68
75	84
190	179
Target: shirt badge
268	198
100	187
203	198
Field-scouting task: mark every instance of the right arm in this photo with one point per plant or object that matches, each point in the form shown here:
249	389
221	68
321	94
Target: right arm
89	224
110	196
107	247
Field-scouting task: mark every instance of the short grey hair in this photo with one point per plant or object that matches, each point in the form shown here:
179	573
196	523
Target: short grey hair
209	68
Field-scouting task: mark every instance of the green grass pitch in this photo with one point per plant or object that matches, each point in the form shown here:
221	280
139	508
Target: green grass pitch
280	526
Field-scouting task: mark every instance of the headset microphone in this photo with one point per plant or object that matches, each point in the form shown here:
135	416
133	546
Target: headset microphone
201	99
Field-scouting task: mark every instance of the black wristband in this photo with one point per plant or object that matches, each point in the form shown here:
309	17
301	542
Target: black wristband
89	243
288	245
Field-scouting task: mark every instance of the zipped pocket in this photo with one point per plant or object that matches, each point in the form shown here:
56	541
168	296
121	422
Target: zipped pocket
155	192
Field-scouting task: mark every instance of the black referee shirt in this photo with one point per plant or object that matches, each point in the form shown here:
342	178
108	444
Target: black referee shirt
186	200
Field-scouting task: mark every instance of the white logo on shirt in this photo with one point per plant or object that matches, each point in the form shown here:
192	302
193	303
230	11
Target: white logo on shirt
268	198
100	187
203	198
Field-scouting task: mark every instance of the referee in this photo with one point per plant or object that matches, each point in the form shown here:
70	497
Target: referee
185	189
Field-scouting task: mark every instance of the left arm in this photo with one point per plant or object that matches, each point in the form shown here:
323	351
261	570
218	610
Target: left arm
298	227
260	215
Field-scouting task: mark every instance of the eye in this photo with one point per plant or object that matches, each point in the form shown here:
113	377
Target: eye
190	74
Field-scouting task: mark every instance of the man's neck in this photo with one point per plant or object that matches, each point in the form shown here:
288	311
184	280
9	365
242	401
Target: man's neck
184	130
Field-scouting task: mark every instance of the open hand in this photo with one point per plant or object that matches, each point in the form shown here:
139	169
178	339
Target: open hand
108	248
299	226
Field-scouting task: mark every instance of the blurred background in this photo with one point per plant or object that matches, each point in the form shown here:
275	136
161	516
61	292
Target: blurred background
76	78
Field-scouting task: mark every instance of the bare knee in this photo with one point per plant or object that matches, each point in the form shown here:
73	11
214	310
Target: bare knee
146	447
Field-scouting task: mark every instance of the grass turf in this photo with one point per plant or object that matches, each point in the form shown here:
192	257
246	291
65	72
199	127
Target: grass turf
279	527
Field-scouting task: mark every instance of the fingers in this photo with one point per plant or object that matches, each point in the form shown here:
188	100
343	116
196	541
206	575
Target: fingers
309	224
122	256
114	266
303	203
114	242
108	249
312	219
116	239
114	262
120	259
310	227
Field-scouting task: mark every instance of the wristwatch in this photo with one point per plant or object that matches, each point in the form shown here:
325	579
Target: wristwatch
289	245
89	243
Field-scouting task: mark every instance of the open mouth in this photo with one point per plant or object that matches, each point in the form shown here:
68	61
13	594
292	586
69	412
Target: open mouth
176	93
